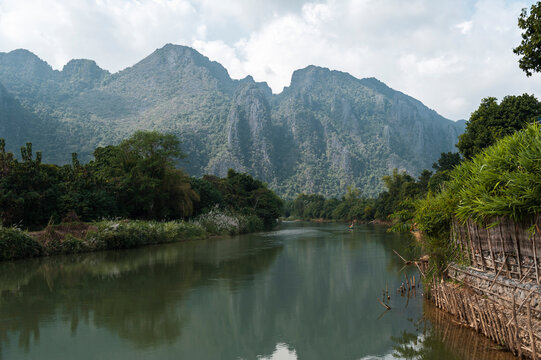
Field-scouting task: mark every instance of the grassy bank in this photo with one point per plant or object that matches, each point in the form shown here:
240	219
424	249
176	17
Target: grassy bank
77	237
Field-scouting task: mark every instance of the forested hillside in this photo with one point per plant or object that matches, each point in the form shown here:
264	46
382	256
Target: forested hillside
326	131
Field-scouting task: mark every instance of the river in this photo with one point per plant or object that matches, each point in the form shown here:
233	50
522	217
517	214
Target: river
303	291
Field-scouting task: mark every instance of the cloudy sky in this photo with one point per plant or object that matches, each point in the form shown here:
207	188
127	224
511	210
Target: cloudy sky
448	54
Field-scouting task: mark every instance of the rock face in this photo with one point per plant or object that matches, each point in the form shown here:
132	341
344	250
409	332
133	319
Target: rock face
326	131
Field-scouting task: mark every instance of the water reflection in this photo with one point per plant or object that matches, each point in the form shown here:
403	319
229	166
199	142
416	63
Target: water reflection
304	291
135	294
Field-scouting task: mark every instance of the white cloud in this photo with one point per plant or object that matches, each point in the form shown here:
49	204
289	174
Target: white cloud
449	54
464	27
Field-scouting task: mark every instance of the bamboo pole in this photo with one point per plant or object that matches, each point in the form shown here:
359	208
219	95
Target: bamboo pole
509	338
497	322
503	247
476	232
535	254
474	259
474	317
464	240
532	338
517	329
481	318
490	249
497	274
517	250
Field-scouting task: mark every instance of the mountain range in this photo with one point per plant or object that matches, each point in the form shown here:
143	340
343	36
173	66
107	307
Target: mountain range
326	131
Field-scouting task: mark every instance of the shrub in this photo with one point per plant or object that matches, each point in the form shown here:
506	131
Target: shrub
128	234
219	222
17	244
250	223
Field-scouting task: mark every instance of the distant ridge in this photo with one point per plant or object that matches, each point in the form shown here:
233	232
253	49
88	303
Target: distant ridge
325	131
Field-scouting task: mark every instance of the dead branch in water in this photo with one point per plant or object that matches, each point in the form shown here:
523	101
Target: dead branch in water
409	262
384	305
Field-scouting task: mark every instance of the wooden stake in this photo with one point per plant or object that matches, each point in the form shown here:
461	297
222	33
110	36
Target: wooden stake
474	318
490	249
384	305
517	329
517	251
532	338
476	230
481	318
474	259
535	254
503	247
498	274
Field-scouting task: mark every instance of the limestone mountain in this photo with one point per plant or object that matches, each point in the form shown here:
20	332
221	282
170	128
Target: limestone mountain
326	131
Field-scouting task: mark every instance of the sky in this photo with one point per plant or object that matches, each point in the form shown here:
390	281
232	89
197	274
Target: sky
448	54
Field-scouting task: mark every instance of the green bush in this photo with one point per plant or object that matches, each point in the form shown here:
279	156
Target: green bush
504	180
17	244
125	234
68	245
250	223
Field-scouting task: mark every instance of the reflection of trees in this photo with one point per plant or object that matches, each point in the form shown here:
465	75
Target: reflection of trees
132	293
319	298
440	338
426	347
459	340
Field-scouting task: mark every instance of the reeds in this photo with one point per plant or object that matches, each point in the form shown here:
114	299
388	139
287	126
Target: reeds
504	180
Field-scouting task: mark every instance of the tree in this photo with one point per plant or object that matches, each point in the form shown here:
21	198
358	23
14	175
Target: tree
492	121
447	161
530	46
143	171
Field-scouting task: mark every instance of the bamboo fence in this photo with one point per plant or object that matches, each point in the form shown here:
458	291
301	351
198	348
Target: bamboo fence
511	327
502	246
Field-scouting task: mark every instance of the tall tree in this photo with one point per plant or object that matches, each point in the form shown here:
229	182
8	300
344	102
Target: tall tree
143	170
492	121
530	46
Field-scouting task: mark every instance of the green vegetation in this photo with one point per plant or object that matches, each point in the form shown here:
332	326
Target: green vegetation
77	237
502	180
492	121
137	180
16	244
326	131
530	46
394	205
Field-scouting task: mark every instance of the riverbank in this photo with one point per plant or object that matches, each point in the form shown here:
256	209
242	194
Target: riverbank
78	237
387	223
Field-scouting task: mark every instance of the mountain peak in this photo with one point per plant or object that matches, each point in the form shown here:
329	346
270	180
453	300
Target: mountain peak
83	67
25	63
175	58
312	74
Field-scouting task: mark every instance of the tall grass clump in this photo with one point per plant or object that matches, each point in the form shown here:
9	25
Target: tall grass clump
503	180
123	234
223	222
17	244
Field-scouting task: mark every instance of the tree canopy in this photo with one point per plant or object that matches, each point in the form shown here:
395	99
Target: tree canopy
530	46
493	121
136	179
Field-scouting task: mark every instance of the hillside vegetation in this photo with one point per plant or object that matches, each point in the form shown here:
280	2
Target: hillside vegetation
326	131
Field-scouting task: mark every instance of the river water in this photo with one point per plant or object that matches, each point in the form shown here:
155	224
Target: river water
303	291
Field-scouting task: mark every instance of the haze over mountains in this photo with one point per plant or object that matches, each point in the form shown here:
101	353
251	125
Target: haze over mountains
326	131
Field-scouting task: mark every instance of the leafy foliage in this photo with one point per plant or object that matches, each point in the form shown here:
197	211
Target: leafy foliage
136	179
16	244
530	46
503	180
492	121
326	131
